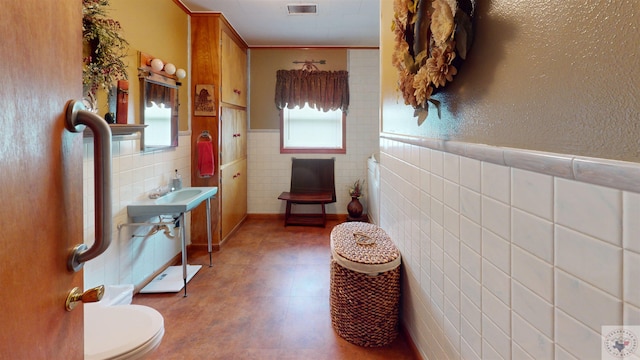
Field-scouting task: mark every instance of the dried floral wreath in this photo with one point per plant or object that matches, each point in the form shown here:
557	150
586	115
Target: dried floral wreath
432	38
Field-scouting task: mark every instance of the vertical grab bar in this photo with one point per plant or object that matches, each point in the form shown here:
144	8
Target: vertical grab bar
76	117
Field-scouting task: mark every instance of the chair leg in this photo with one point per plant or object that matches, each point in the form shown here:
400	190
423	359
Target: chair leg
287	213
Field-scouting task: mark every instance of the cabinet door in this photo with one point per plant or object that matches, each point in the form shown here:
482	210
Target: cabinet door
241	133
233	196
234	134
228	134
234	69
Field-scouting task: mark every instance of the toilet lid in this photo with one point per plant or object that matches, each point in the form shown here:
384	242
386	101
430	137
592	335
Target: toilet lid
113	331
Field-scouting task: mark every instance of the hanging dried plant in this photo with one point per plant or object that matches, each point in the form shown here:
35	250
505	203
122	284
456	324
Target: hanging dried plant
103	63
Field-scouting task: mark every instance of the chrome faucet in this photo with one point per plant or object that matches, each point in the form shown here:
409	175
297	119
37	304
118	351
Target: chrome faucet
160	192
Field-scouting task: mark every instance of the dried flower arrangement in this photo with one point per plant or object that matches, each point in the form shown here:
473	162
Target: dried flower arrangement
432	37
103	63
356	189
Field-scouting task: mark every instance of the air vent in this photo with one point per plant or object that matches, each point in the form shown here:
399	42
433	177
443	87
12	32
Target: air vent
299	9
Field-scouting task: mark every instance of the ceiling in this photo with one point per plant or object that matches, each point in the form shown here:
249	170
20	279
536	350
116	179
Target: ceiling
267	23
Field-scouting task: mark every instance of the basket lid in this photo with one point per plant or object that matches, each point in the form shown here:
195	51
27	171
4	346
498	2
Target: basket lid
364	248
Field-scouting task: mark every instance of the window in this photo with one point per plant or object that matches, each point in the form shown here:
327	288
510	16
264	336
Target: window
309	130
158	131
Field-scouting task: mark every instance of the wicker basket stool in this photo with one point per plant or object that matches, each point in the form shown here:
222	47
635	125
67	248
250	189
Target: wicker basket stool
365	284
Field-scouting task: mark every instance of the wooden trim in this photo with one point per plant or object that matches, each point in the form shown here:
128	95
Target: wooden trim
202	247
182	7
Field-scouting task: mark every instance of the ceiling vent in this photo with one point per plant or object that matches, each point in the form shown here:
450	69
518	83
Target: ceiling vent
302	9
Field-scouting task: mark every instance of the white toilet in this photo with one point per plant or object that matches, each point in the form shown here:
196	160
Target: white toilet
121	331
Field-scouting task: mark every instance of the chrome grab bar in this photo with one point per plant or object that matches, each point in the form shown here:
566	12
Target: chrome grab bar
76	117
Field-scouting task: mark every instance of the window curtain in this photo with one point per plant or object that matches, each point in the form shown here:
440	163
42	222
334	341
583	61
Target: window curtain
324	90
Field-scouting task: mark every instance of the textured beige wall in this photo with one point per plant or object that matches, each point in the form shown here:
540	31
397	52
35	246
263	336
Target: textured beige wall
265	62
161	29
557	76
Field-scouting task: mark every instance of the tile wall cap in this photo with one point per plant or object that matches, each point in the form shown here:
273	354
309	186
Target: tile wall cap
616	174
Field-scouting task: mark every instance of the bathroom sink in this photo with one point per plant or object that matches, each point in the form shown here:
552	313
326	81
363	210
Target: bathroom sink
179	196
175	202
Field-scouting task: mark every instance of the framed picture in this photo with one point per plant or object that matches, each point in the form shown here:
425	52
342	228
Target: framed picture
204	101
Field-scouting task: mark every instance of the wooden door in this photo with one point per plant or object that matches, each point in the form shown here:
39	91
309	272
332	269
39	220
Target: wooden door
41	179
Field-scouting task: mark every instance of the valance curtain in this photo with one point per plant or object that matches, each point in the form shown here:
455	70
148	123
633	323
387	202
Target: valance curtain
324	90
159	94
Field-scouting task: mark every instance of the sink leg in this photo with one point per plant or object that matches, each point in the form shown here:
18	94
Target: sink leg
185	288
184	252
209	230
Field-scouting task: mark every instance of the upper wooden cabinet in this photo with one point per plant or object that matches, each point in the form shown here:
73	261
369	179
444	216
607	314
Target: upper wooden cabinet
234	70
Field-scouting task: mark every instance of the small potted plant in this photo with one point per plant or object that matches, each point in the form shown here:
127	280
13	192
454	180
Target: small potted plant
356	189
354	208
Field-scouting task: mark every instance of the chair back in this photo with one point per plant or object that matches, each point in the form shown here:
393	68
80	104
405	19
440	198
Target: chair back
310	176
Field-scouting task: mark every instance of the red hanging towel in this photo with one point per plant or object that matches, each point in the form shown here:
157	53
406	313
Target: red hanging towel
205	158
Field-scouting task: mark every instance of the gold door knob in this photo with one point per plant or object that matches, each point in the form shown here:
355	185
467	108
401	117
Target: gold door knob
76	295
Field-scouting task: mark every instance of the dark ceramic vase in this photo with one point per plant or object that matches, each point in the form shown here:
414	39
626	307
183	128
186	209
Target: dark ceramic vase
354	208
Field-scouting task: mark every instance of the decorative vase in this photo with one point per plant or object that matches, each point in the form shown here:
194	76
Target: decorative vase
354	208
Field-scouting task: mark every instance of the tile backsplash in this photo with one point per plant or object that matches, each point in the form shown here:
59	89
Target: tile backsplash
132	259
508	256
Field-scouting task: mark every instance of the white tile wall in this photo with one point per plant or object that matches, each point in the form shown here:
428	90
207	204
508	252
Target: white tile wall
270	172
521	264
131	260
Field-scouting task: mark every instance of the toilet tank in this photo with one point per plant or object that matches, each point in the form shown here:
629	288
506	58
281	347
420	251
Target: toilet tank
373	189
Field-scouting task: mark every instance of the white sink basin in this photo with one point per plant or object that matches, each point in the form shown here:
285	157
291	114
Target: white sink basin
175	202
179	196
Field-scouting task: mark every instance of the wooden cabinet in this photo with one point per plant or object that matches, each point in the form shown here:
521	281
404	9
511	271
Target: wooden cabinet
234	135
219	58
233	168
233	196
234	65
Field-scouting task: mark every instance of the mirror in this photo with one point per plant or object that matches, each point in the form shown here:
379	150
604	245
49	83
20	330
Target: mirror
158	111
